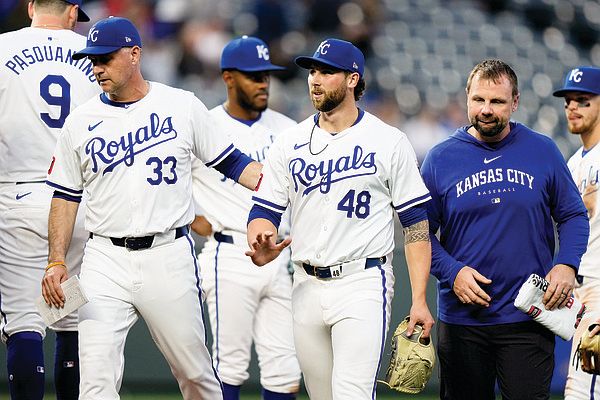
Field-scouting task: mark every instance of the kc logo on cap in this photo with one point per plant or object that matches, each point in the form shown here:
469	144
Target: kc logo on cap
335	53
581	79
108	35
247	54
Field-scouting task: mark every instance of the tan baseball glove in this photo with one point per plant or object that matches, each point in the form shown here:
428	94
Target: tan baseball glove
411	362
589	351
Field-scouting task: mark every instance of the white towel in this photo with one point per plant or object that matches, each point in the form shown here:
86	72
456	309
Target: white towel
561	321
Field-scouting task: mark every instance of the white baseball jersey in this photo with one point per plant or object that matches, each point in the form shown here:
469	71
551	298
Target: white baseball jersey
343	195
584	168
40	84
135	160
38	75
585	173
223	202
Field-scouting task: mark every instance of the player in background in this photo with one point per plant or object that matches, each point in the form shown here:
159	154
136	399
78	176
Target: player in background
343	172
40	84
495	203
245	303
131	149
581	92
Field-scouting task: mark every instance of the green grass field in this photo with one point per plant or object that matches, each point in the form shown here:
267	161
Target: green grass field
391	396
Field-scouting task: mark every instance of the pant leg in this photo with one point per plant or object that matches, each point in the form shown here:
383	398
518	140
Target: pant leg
525	360
273	329
467	365
168	296
581	385
105	320
312	336
232	296
360	311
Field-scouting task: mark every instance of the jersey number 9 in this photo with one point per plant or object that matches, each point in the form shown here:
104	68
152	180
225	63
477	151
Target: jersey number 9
63	100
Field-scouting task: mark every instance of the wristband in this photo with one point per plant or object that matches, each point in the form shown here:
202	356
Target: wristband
54	264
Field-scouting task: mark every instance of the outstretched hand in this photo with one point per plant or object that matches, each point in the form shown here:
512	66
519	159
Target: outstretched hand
263	248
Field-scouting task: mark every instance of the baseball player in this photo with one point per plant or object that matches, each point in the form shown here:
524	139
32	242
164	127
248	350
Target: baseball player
496	203
343	172
131	149
581	92
241	297
40	84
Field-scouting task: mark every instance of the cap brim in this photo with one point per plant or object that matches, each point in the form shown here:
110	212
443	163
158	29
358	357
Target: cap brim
94	51
82	16
307	62
262	68
562	92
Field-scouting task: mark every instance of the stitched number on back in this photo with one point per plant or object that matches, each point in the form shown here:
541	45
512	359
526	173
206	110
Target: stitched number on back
361	210
49	88
169	163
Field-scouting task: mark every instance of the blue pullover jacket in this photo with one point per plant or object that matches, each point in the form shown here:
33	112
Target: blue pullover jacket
494	205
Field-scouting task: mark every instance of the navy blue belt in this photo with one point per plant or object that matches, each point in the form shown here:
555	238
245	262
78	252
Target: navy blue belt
222	238
325	272
142	242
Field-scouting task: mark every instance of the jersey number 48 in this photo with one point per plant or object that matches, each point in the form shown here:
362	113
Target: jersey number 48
361	209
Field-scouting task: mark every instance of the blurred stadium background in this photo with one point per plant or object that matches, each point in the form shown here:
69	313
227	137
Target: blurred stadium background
419	53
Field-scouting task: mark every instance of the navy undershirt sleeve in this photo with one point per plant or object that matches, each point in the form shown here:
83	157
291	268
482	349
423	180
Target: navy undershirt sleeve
414	214
263	212
233	165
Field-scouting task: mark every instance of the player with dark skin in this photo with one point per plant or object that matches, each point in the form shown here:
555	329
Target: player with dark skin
247	97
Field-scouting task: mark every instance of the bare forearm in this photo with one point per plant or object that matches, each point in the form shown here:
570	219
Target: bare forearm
260	225
60	228
417	247
251	175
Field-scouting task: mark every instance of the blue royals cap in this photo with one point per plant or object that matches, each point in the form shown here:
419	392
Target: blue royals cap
336	53
581	79
247	54
81	15
108	35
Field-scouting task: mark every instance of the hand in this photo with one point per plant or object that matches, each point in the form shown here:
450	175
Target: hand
562	281
420	315
467	289
263	249
51	290
201	226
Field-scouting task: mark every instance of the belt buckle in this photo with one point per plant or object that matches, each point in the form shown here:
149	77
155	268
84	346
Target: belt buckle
314	270
130	247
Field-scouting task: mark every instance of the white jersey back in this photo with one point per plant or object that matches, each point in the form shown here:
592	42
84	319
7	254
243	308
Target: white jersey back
342	189
37	73
134	160
223	202
585	173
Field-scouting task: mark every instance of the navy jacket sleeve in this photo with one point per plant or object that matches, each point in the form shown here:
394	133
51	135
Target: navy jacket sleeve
443	266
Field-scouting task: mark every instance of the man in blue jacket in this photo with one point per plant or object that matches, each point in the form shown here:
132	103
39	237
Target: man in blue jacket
498	189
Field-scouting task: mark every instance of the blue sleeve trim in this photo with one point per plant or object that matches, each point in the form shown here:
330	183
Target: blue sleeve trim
413	215
258	211
234	164
221	156
268	204
64	189
410	203
67	197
